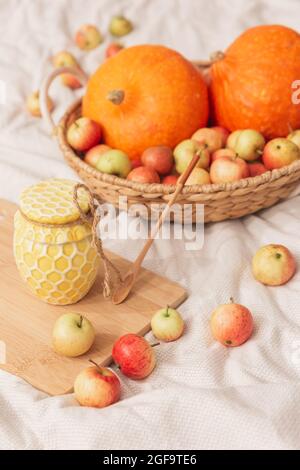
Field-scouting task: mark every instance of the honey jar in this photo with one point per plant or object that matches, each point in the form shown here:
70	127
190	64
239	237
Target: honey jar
53	245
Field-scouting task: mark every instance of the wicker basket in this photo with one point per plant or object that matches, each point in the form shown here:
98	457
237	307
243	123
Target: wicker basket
221	201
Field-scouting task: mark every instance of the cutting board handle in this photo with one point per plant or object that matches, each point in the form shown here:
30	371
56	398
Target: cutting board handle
46	114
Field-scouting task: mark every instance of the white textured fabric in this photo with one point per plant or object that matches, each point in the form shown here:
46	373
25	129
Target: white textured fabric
201	395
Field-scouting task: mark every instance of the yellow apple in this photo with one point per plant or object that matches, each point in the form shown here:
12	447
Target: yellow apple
73	335
273	265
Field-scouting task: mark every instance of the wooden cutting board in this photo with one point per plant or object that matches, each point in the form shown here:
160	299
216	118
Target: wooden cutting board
26	322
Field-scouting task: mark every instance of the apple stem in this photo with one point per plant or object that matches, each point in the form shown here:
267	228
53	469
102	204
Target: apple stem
231	300
154	344
116	96
80	321
260	152
95	364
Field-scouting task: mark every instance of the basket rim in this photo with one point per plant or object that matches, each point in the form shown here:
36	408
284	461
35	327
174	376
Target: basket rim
155	188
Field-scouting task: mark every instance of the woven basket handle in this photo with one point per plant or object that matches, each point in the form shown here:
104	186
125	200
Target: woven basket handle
47	116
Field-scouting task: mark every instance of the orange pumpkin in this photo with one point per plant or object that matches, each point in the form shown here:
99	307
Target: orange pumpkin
251	86
146	96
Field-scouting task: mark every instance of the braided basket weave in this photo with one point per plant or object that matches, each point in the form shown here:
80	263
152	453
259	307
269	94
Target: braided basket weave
221	201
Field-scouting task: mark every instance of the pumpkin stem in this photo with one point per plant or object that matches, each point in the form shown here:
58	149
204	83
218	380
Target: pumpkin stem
216	56
116	96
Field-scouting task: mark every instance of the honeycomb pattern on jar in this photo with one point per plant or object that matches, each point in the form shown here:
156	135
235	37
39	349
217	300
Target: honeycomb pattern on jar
58	262
59	274
51	202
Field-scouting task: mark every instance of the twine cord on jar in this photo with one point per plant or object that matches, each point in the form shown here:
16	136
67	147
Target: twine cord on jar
93	218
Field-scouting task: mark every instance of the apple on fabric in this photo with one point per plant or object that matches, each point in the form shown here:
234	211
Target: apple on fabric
273	265
88	37
66	59
97	387
167	324
231	324
120	26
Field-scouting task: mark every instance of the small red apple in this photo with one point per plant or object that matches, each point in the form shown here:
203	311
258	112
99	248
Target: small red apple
97	387
228	170
256	168
209	136
280	152
231	324
170	179
143	174
223	153
112	49
224	133
136	163
92	156
273	265
134	355
88	37
84	134
158	158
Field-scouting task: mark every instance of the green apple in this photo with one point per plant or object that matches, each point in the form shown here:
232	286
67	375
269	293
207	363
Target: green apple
114	162
120	26
72	335
232	139
248	144
167	324
295	137
185	151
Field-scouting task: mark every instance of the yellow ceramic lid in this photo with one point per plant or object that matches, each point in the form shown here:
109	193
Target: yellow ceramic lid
51	202
50	235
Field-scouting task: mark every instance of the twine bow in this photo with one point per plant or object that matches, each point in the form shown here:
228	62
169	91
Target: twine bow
93	218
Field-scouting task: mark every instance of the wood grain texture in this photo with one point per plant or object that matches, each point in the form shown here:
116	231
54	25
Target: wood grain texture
26	322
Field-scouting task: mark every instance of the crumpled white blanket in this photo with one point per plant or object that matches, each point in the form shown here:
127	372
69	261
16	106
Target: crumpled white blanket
201	395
